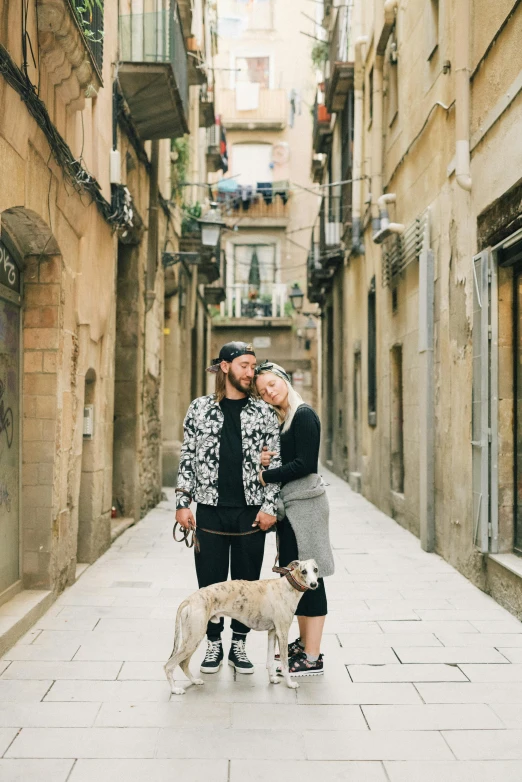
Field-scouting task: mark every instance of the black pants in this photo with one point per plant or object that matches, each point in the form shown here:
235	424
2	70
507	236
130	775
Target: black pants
312	603
244	554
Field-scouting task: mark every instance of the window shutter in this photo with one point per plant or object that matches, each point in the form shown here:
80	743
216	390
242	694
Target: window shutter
480	401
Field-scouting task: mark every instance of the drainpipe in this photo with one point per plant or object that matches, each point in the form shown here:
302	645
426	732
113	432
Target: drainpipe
153	240
357	242
385	227
462	94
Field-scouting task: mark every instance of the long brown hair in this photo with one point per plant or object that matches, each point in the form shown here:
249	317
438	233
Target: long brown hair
221	388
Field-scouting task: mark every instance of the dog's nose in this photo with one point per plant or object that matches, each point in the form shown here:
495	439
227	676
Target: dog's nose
313	585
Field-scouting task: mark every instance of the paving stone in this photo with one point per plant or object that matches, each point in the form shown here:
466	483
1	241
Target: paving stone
62	670
306	771
47	715
452	771
459	692
485	744
405	673
310	717
390	640
238	743
493	673
35	770
176	714
151	770
450	654
431	717
6	737
19	691
331	693
376	745
108	691
84	743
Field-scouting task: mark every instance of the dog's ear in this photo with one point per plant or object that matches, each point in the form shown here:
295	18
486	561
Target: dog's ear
293	565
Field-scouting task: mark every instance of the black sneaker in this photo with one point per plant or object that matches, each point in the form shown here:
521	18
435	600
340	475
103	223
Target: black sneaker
294	648
237	657
298	665
213	657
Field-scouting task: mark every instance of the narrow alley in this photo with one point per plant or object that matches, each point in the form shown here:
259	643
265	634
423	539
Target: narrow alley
423	674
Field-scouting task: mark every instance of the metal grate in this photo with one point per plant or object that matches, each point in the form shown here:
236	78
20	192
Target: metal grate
399	250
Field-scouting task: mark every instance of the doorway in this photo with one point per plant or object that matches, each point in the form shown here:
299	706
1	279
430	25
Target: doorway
10	330
517	354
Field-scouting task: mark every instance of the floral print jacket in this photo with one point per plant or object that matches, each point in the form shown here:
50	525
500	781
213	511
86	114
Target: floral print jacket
199	461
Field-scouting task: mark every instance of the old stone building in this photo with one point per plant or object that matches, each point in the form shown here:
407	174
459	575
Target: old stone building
418	274
89	104
267	198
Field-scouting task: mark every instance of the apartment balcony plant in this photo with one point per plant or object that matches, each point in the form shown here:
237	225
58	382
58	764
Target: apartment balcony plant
322	130
340	71
153	72
331	228
207	111
269	111
71	49
249	304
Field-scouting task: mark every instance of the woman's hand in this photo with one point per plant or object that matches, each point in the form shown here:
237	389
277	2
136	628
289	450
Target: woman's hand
266	456
261	481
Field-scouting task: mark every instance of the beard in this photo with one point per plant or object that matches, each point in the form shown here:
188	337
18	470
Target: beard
236	383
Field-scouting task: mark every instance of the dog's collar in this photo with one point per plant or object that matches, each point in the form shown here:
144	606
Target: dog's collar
289	577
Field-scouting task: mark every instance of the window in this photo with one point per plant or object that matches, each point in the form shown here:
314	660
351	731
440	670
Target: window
432	26
372	355
256	293
397	421
258	13
253	70
252	163
393	80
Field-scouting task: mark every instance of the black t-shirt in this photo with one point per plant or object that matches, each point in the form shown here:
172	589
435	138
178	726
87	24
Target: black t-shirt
231	492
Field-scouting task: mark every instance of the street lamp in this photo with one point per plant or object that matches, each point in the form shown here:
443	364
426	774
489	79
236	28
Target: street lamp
296	297
310	328
211	224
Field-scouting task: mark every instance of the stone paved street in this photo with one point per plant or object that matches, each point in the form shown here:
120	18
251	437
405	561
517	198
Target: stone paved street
423	675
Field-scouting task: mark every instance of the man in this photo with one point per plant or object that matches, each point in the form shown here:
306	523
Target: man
224	434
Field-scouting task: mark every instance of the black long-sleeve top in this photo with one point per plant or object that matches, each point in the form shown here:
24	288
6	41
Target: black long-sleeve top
299	448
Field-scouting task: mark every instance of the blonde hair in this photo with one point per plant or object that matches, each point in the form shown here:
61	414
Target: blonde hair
295	400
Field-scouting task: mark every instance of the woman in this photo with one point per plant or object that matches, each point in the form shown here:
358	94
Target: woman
303	528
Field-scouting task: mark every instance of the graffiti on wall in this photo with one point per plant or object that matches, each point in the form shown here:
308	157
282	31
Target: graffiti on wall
5	497
6	418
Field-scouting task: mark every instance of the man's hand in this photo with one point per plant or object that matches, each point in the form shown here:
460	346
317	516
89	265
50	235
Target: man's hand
264	521
266	456
185	518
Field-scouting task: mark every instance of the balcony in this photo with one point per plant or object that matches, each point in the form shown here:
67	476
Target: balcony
207	260
72	62
214	158
255	306
319	278
153	73
331	228
207	113
269	108
322	131
340	70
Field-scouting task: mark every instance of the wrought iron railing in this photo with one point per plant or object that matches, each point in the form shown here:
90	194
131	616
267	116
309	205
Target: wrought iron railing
244	301
399	250
91	22
158	38
340	40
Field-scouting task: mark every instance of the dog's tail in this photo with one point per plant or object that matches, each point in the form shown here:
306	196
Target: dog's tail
178	629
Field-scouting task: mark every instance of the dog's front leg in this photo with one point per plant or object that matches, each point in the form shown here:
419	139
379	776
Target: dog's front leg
282	640
270	660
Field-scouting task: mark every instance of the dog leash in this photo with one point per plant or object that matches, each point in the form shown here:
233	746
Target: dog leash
190	538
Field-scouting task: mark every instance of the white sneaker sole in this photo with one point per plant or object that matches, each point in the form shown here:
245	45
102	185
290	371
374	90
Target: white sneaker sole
240	670
210	670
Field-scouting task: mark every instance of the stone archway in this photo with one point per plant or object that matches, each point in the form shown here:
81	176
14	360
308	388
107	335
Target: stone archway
33	242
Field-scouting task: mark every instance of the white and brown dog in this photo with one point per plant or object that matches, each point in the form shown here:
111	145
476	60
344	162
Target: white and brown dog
261	605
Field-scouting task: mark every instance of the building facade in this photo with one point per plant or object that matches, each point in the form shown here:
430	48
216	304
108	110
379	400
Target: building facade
421	306
265	192
86	217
